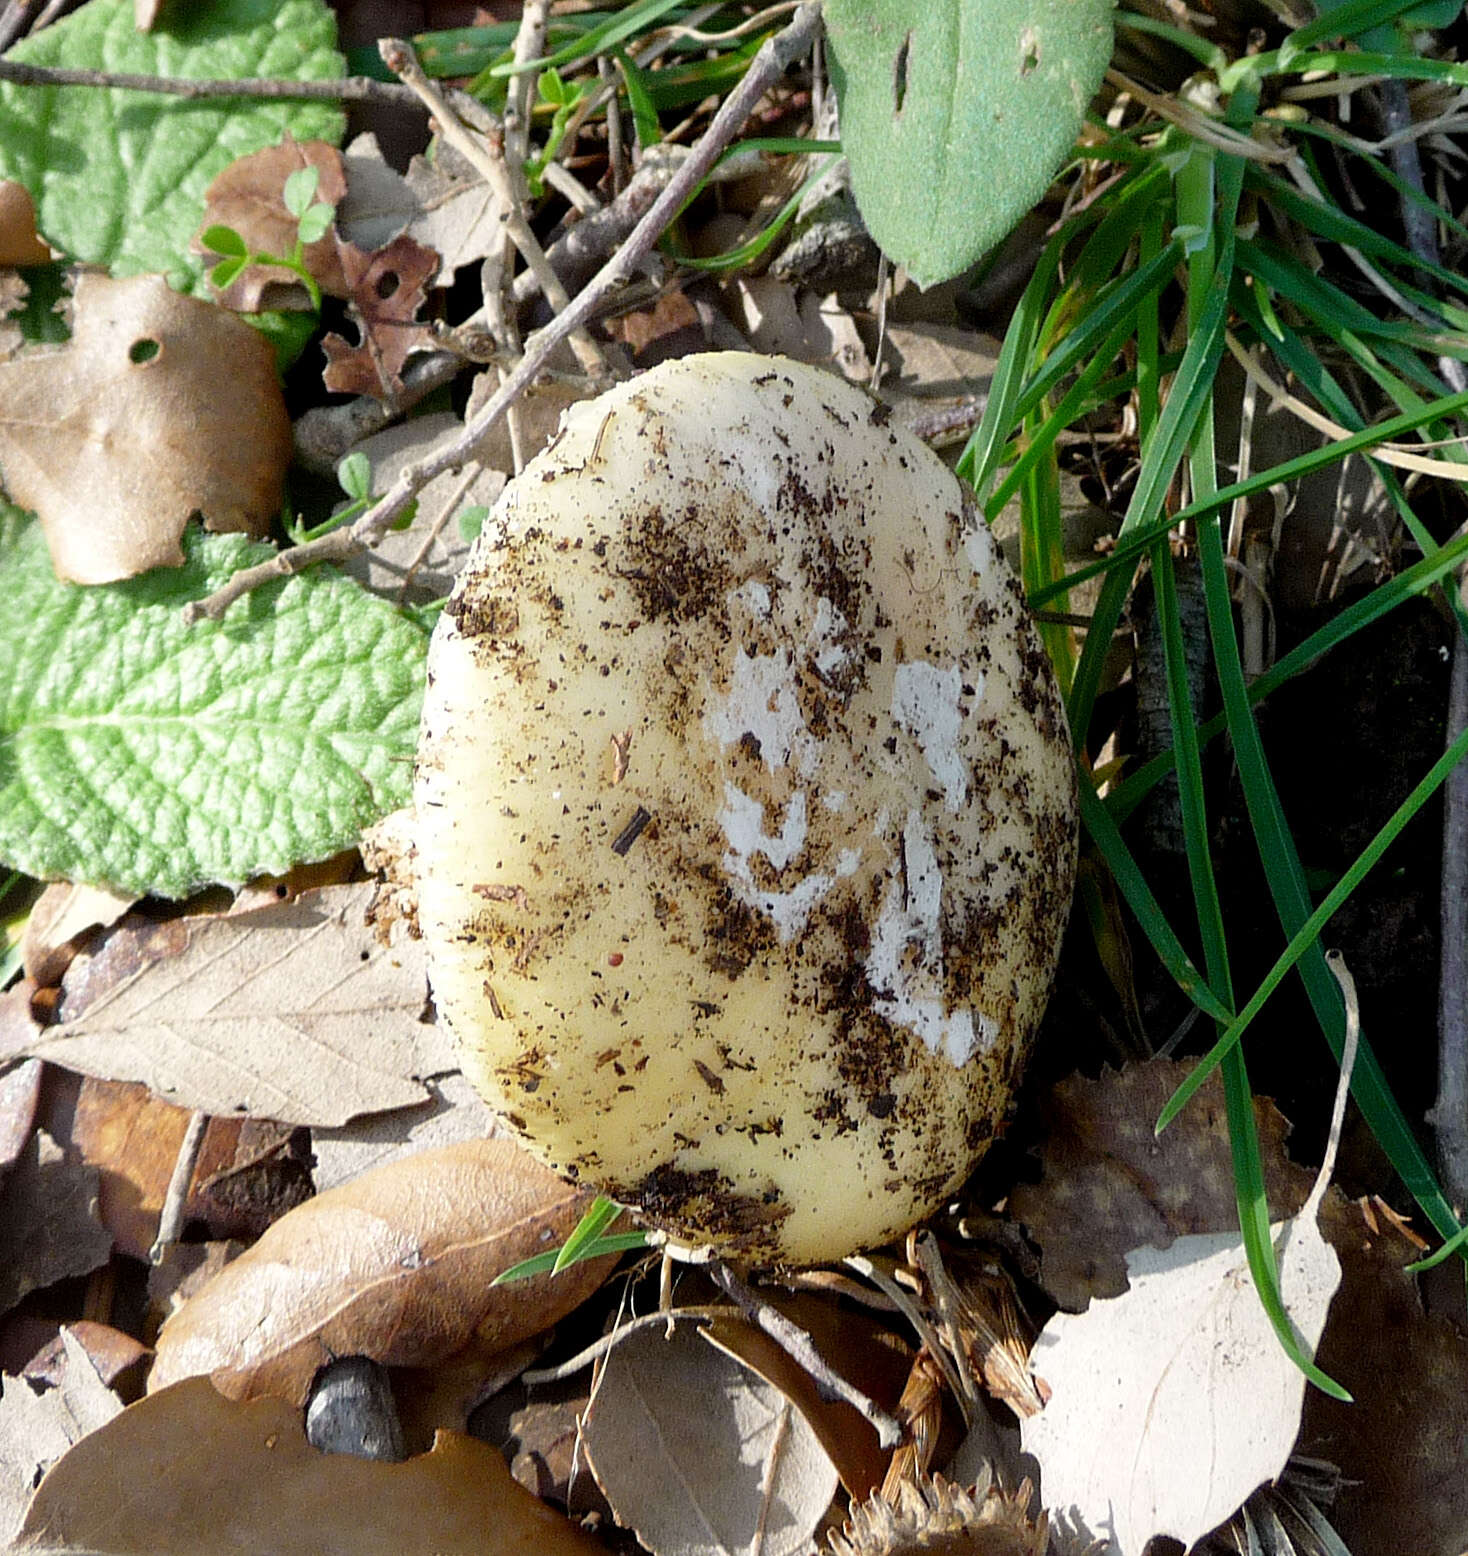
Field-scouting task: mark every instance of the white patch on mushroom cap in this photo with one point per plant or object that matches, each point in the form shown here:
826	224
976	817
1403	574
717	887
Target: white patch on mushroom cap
743	821
761	702
925	704
905	964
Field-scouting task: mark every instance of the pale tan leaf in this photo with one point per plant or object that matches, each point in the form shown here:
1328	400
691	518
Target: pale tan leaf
457	213
48	1220
293	1012
700	1455
397	1265
1170	1404
158	407
188	1473
454	1111
37	1429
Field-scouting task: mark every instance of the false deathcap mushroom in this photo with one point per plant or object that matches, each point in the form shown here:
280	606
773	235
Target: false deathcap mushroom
746	812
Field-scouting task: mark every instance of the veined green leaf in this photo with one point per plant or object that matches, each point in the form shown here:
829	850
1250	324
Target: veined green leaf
149	756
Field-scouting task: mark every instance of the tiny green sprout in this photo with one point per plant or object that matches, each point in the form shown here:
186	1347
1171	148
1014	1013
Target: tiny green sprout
354	476
313	221
589	1240
565	97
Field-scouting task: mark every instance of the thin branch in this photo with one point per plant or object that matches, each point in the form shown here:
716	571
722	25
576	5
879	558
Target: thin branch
767	67
175	1202
345	89
487	154
797	1343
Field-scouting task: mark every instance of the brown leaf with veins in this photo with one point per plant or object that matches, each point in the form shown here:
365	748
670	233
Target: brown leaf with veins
397	1265
387	290
1111	1184
188	1473
160	406
249	195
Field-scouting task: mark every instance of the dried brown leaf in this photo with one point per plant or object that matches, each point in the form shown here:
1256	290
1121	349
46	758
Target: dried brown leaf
188	1473
115	448
244	1179
1400	1445
249	195
293	1012
37	1429
20	244
750	1473
48	1220
386	289
110	1352
1111	1184
396	1265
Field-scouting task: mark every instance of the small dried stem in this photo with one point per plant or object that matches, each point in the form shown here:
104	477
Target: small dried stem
175	1201
346	89
794	1340
767	67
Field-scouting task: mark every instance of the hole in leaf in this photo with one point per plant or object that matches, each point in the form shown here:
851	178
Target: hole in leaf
1029	51
143	350
899	75
387	284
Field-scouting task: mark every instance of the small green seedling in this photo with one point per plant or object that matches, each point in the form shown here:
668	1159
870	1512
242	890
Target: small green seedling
590	1240
354	476
565	97
313	220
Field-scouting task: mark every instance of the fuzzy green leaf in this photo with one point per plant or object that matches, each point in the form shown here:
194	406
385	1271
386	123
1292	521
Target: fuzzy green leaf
118	177
149	756
957	114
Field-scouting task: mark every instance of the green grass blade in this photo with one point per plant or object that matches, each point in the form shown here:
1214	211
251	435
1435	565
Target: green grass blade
1135	891
1190	393
616	29
1310	930
544	1263
1286	881
599	1216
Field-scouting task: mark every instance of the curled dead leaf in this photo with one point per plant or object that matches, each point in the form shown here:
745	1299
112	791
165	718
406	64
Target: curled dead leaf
187	1471
386	289
160	406
20	244
397	1265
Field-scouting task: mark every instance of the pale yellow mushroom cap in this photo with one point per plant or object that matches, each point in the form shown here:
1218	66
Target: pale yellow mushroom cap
746	812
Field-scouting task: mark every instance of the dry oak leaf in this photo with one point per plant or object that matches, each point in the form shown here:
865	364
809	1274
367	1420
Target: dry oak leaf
188	1473
249	195
397	1265
294	1012
1111	1184
160	406
386	290
49	1228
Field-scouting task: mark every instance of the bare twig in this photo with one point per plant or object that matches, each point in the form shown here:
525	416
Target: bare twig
175	1201
795	1342
346	89
489	158
1449	1115
529	45
767	67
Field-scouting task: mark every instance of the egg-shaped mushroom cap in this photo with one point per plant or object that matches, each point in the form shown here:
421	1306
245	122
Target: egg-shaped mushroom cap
747	822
